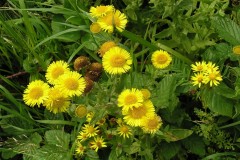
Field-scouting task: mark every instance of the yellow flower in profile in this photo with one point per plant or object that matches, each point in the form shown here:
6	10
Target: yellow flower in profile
130	98
71	84
213	77
100	11
89	117
117	61
124	131
81	111
105	47
151	124
161	59
80	149
197	79
55	70
146	94
95	27
236	50
199	66
134	116
90	130
97	143
111	20
82	136
36	93
57	101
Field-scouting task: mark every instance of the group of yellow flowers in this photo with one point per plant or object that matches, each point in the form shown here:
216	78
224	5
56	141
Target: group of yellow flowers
55	95
205	73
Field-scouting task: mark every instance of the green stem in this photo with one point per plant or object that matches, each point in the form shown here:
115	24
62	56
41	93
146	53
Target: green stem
142	41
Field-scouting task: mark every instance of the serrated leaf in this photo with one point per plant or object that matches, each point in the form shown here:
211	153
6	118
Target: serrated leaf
195	145
165	96
58	138
217	103
227	29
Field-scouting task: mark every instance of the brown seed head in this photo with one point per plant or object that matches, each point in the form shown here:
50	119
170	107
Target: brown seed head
81	62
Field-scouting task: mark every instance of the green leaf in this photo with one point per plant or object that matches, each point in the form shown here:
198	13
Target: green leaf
168	150
227	29
217	103
165	96
177	134
195	145
58	138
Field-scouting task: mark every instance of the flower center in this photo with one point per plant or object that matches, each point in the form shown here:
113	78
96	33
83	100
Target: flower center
56	72
161	59
99	144
91	129
130	99
116	21
118	61
71	84
124	129
200	79
109	19
152	124
36	93
200	68
101	9
81	111
139	112
212	76
58	102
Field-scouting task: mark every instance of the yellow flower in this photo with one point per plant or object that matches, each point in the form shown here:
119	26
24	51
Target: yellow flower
236	50
80	149
134	116
211	67
90	130
71	84
124	131
95	27
151	124
36	93
111	20
81	111
55	70
199	66
89	116
97	143
116	61
105	47
82	136
146	94
212	77
100	11
161	59
130	98
197	79
57	101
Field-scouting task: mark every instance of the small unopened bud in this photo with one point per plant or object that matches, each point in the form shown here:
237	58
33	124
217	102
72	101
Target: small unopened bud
81	111
105	47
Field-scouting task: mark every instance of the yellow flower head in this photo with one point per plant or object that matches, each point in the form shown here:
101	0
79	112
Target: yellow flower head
111	20
211	67
80	149
105	47
55	70
71	84
90	130
124	131
134	116
151	124
97	143
161	59
146	94
95	27
197	79
199	66
81	111
130	98
101	11
36	93
117	61
89	116
82	136
236	50
57	101
213	77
